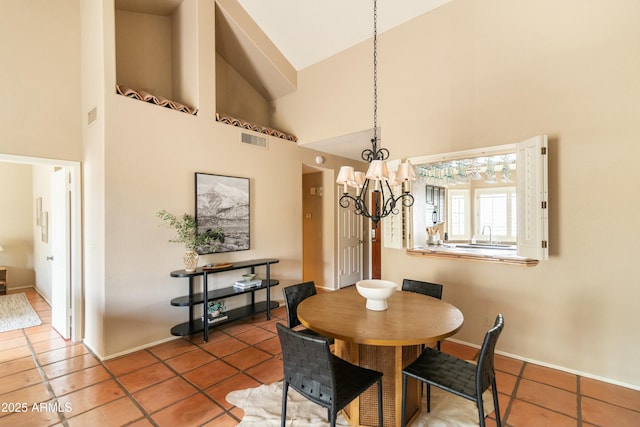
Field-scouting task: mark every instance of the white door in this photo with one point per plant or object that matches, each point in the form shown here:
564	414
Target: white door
350	246
59	238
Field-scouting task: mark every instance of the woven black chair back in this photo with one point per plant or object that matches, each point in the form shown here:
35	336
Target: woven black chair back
321	377
485	374
426	288
458	376
293	296
307	365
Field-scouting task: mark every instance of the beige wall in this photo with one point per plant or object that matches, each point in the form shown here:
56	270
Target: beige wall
138	256
95	41
474	74
235	96
16	224
141	158
39	110
144	59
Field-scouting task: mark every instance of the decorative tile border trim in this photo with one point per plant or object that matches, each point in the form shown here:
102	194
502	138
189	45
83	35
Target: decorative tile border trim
154	99
227	119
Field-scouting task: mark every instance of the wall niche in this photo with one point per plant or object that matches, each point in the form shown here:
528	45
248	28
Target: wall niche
156	48
250	70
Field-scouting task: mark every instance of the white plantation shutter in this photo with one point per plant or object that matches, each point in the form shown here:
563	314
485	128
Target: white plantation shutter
533	232
495	208
459	215
493	212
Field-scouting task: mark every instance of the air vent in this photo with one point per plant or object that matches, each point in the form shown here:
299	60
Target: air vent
259	141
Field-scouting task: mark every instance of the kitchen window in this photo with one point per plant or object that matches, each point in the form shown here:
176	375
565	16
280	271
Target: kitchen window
497	209
481	186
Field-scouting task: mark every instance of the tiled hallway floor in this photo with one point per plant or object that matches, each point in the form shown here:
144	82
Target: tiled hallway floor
184	382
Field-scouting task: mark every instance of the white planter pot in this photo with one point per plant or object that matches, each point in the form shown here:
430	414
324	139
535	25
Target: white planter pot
190	259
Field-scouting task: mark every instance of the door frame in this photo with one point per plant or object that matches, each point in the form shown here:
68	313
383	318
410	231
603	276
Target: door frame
75	188
59	249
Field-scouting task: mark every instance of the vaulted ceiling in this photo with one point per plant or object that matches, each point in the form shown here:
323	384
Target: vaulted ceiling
309	31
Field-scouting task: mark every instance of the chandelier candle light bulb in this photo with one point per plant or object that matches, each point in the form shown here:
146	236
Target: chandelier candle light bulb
346	177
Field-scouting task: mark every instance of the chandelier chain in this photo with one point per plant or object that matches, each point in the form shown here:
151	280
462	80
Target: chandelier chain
375	72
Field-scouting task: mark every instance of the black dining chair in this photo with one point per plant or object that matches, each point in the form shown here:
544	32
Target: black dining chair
293	296
325	379
426	288
457	376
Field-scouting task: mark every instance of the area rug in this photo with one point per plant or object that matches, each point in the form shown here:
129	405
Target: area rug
16	313
262	407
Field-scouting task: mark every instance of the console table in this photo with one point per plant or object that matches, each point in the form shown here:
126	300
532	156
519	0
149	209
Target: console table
193	299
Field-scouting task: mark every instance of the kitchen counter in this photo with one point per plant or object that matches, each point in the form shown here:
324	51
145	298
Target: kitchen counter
502	255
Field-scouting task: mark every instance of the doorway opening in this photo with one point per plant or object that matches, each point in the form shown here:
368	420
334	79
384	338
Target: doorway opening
316	234
335	245
68	303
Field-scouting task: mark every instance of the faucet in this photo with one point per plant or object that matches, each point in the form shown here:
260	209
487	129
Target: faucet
490	238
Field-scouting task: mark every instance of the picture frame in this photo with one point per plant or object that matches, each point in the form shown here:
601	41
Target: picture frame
223	208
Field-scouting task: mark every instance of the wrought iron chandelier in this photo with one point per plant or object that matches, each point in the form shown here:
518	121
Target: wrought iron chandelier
382	201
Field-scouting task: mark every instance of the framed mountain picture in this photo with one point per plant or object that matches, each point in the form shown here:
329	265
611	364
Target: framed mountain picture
222	208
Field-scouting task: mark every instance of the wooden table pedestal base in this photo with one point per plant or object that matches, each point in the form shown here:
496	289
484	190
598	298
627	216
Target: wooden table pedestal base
363	411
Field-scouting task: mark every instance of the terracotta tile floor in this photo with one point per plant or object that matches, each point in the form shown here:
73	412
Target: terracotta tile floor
184	382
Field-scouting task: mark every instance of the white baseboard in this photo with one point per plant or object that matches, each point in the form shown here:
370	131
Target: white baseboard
130	350
93	350
556	367
14	288
35	288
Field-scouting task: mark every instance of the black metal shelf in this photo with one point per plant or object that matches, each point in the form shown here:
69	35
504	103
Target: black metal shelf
232	291
197	325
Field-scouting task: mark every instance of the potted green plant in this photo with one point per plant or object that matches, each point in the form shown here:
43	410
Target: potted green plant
187	234
216	308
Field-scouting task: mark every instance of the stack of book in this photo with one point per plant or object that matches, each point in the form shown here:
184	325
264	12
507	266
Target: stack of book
213	319
246	284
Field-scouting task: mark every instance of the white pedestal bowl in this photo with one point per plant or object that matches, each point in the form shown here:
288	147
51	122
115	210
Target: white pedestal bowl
376	292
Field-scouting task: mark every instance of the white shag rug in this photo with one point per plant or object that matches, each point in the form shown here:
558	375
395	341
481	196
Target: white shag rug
16	313
262	407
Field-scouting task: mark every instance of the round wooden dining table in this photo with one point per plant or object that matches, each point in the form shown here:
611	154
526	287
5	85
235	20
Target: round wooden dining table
385	341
